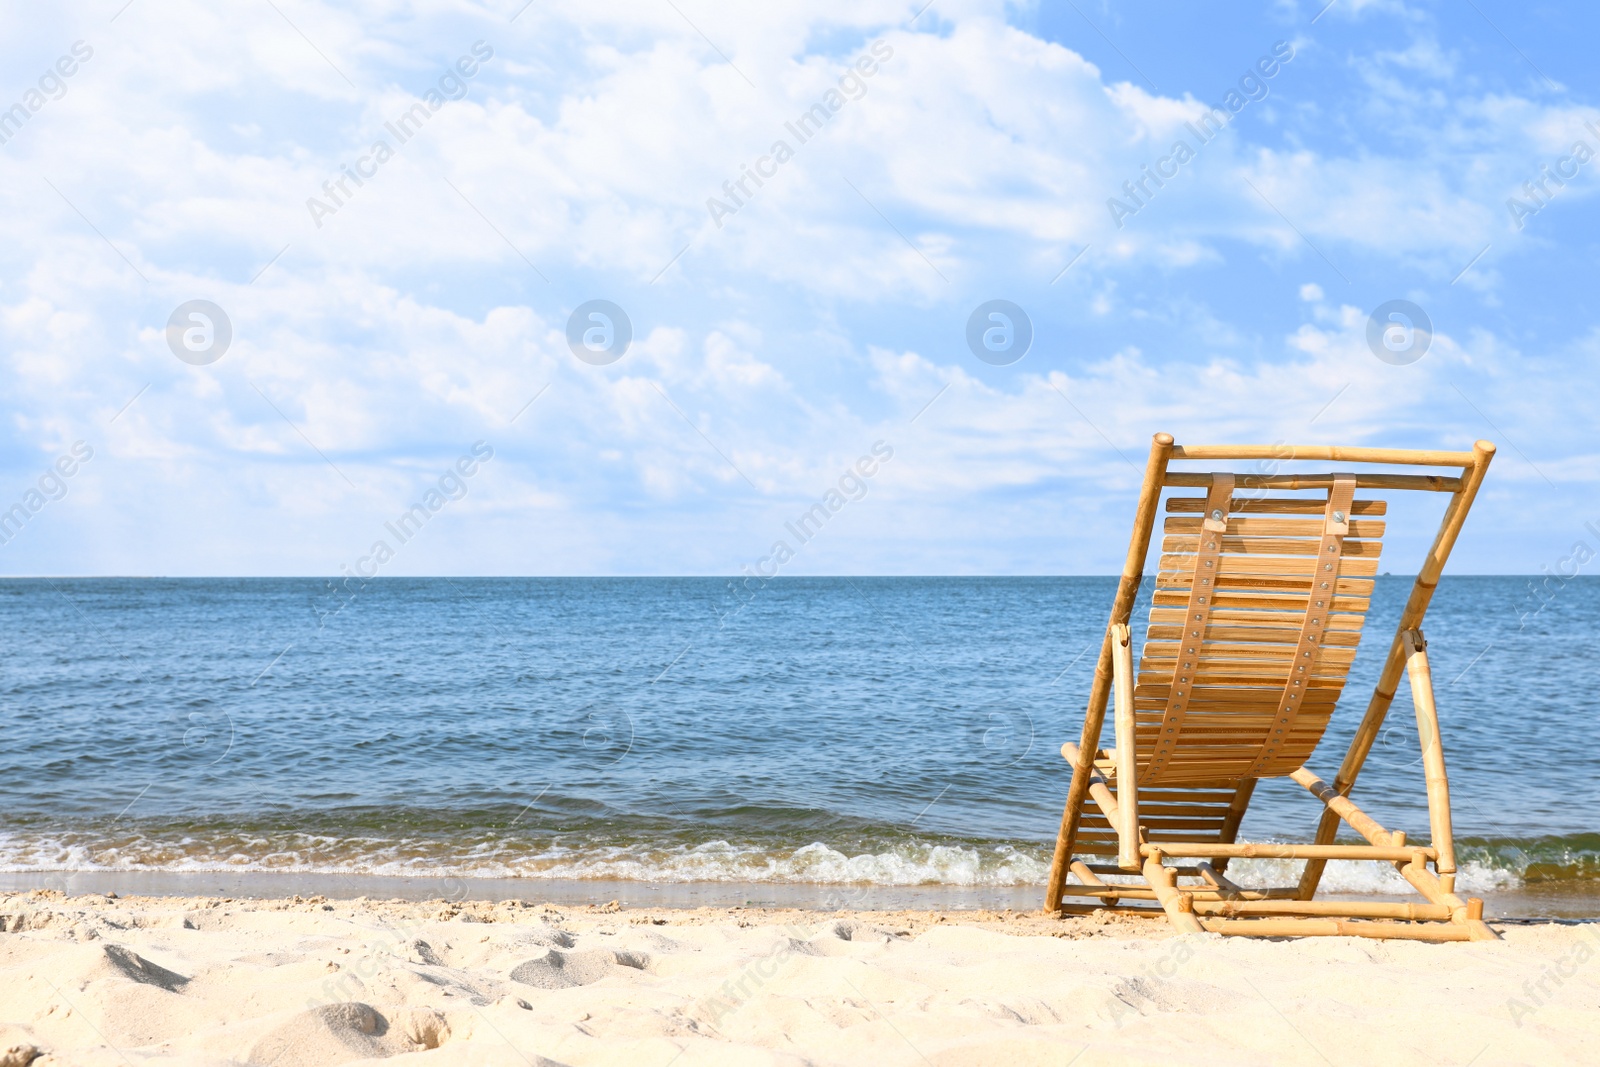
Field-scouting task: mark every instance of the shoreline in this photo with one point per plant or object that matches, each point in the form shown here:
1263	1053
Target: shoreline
563	891
1538	901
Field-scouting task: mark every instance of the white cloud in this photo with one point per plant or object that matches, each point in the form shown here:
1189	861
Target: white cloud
428	310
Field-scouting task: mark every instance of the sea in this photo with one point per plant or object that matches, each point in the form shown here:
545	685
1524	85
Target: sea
821	742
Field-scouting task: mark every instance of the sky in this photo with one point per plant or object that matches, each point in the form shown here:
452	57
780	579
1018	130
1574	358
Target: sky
396	219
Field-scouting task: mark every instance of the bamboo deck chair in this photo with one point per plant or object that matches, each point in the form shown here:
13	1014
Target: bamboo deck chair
1262	587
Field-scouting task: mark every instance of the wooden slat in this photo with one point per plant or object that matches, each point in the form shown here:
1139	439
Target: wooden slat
1205	747
1224	679
1238	761
1210	697
1157	796
1235	633
1185	805
1218	784
1269	636
1239	719
1218	750
1203	750
1220	732
1243	672
1223	731
1247	525
1424	482
1249	566
1096	832
1288	620
1235	766
1203	812
1324	687
1282	592
1256	600
1324	709
1225	698
1241	714
1228	655
1215	653
1270	546
1237	591
1275	506
1226	725
1227	674
1207	828
1212	825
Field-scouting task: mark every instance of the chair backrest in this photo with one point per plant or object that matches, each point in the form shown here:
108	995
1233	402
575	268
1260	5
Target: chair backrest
1258	607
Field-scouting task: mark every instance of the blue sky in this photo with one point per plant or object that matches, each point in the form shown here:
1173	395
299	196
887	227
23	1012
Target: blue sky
380	331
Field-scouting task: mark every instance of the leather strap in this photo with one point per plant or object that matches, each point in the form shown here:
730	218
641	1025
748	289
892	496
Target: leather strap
1201	595
1324	583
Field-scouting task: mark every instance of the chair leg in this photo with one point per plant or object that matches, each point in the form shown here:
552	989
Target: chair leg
1432	756
1179	908
1127	823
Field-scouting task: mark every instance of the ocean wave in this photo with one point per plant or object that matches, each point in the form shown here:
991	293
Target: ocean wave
1367	878
903	864
1485	866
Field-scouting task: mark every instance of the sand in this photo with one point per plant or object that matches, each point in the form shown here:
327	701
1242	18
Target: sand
197	980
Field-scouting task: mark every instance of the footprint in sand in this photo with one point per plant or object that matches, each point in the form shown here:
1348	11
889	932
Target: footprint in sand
129	964
335	1033
563	970
852	930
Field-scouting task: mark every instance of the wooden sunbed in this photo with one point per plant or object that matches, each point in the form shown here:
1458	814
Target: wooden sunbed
1262	588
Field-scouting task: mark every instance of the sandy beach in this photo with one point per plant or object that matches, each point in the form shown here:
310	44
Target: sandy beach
204	980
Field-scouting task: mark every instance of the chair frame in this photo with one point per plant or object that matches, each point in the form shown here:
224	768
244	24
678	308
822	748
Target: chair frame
1218	904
